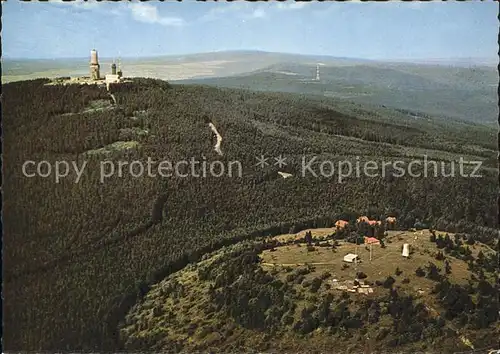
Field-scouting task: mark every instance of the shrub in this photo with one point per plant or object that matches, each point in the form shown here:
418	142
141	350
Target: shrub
470	240
447	267
325	275
389	281
361	275
158	311
439	256
303	271
299	279
316	284
287	320
433	272
420	272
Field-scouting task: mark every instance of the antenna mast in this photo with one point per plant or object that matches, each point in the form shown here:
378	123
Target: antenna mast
356	254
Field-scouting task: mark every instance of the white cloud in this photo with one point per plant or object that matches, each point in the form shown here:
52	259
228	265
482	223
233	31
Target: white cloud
148	13
79	4
241	10
141	12
292	5
215	13
415	5
258	13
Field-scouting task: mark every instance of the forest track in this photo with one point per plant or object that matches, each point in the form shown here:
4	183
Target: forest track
296	264
219	139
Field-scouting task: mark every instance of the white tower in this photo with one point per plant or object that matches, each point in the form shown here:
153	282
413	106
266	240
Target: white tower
317	72
94	65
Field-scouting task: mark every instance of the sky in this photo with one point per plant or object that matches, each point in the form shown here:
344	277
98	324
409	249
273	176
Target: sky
392	30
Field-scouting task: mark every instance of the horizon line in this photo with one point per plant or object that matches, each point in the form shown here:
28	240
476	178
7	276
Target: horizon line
419	60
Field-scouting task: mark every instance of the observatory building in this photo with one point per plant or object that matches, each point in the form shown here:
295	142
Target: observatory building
114	77
94	65
95	77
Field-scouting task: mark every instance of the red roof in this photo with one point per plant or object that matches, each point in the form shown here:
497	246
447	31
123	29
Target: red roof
371	240
341	223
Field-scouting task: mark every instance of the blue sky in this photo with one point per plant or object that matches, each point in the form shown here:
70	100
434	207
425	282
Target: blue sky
392	30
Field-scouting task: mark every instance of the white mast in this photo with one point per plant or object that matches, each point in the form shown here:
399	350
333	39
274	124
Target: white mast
356	254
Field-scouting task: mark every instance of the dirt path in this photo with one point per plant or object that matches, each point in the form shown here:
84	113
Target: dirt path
285	175
296	264
113	97
219	139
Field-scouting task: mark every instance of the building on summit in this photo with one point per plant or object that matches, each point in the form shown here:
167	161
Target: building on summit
95	77
114	77
94	65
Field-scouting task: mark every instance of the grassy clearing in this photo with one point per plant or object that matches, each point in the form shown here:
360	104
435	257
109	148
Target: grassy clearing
179	309
117	146
384	260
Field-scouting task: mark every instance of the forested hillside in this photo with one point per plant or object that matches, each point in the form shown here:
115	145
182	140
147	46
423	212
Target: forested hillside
467	93
77	256
234	300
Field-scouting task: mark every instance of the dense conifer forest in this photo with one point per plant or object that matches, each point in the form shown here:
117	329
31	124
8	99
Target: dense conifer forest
77	256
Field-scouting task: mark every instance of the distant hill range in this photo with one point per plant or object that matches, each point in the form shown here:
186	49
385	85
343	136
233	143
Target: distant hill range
452	89
463	88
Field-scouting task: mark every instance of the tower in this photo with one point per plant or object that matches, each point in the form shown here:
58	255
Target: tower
120	73
94	65
113	69
317	72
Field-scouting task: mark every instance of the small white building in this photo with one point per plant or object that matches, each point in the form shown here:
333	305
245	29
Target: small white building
406	250
351	258
111	79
